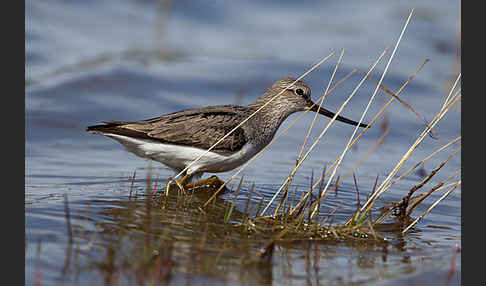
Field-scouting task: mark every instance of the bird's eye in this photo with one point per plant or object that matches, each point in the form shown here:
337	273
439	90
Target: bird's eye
299	91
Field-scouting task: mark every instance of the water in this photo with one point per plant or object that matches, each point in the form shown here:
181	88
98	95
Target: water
132	60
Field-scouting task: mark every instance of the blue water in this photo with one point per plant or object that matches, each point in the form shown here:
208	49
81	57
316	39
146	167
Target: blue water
129	60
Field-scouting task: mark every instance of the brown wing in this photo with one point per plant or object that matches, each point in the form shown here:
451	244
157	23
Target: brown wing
199	128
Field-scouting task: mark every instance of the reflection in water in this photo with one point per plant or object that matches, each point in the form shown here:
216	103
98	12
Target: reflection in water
147	240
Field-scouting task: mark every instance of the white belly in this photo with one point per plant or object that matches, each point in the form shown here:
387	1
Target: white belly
178	157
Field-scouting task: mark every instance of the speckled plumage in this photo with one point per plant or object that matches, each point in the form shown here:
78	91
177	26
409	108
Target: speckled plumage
193	131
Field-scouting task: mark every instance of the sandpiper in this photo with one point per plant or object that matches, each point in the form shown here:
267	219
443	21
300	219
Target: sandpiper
178	138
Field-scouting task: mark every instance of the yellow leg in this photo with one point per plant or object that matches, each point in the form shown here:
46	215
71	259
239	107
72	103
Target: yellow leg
181	182
213	181
178	183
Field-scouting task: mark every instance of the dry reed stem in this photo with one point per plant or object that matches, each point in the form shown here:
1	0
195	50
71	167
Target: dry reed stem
437	187
331	213
419	198
325	128
320	193
370	219
365	111
425	159
432	173
306	195
450	92
408	106
366	155
245	212
320	105
234	201
285	194
385	184
374	119
294	170
432	206
342	80
404	204
274	139
357	193
253	114
416	200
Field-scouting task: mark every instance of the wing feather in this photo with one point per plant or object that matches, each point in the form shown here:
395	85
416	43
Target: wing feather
199	128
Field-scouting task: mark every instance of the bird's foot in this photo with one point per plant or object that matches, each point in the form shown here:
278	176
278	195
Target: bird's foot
212	181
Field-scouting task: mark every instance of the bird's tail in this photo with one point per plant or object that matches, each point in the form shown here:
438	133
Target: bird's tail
107	127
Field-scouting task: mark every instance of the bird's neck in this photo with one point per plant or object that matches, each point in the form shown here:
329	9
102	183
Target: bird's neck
266	122
275	112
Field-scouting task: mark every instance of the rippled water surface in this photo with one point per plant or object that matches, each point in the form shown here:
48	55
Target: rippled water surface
129	60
